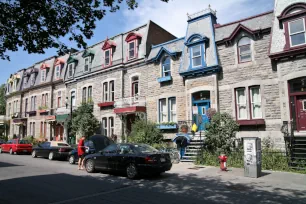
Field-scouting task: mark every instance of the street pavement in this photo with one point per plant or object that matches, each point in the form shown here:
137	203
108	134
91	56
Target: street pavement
24	179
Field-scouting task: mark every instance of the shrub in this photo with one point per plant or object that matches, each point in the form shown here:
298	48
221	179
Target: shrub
32	140
221	133
145	132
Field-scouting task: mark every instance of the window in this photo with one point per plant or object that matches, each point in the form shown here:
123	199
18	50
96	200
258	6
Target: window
57	71
304	105
14	85
9	109
244	50
166	67
111	126
84	95
46	99
32	79
43	100
26	107
107	57
255	102
241	103
111	149
131	49
297	32
89	99
108	91
162	110
87	64
43	75
112	91
33	129
135	90
172	109
33	103
105	92
59	99
73	98
70	70
196	56
104	126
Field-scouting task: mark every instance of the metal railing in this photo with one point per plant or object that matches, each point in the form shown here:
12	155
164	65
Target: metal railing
200	13
130	101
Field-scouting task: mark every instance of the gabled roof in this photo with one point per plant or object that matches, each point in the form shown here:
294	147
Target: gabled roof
108	44
200	39
160	53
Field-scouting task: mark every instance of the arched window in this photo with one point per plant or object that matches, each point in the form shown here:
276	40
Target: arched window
166	66
135	90
244	50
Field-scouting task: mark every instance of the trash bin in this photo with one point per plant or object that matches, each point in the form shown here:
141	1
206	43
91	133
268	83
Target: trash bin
252	157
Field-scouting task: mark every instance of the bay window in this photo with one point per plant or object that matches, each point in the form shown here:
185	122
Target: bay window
196	56
244	50
297	32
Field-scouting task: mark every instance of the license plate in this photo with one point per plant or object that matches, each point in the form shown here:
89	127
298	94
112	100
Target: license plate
162	159
25	150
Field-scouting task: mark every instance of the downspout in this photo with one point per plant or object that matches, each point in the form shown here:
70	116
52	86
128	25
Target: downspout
51	97
122	90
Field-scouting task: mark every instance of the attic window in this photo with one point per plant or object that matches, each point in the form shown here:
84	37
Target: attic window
297	32
244	50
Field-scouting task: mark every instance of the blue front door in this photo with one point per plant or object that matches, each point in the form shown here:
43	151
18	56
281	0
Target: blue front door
201	118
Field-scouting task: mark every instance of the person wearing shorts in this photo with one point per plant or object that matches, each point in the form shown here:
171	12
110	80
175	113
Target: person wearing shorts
81	153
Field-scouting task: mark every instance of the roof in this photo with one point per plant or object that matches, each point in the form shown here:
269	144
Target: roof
258	22
173	46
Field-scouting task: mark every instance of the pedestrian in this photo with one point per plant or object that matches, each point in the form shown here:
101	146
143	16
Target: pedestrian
81	152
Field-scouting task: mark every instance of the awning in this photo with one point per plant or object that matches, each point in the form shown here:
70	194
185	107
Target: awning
50	118
181	136
62	118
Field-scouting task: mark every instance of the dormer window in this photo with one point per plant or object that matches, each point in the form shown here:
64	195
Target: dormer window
57	71
70	70
244	50
15	85
32	79
132	50
87	64
166	66
43	75
297	32
196	56
107	57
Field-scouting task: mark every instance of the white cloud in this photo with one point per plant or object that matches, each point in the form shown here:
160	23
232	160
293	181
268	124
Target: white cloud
173	15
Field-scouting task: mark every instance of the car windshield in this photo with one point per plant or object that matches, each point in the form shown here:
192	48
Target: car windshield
62	145
143	148
24	142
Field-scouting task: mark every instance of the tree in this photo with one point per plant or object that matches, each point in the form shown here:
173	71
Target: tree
145	132
221	133
38	24
2	100
84	122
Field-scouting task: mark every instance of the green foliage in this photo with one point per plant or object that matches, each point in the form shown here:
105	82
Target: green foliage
2	100
145	132
221	133
32	140
42	107
38	25
84	122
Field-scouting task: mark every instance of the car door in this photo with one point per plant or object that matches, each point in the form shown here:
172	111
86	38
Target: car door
102	159
46	149
4	146
124	154
7	145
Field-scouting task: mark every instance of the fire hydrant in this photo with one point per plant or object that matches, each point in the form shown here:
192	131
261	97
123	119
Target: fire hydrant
223	159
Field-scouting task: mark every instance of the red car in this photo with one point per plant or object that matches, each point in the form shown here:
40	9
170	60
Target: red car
16	145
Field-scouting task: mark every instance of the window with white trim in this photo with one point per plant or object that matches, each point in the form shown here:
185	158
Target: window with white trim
162	110
59	99
109	91
84	95
58	71
196	55
172	109
104	126
107	57
241	104
73	98
297	32
43	75
111	126
132	49
166	66
89	97
255	95
70	70
15	85
244	50
87	64
135	87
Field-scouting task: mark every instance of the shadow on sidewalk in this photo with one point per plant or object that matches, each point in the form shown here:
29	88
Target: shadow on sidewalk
5	164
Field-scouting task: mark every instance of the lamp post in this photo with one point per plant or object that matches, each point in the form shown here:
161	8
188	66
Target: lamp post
70	112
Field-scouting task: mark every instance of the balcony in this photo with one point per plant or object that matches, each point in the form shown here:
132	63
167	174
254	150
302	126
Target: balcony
130	105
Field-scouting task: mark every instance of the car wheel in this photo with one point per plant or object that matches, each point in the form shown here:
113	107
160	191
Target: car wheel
34	154
51	156
131	171
71	159
11	151
90	166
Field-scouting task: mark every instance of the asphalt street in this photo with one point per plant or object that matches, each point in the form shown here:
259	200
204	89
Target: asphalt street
24	179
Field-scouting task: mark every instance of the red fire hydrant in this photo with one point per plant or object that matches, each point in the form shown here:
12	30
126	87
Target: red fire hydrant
223	159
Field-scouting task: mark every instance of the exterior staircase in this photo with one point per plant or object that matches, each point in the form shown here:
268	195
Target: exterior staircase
298	152
194	147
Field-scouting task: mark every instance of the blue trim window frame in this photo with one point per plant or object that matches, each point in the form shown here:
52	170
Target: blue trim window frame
167	111
172	109
166	66
196	42
162	110
196	56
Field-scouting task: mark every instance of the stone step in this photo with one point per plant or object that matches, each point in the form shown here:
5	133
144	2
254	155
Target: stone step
187	160
191	153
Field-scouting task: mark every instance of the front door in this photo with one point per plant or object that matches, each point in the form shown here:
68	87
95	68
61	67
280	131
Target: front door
201	118
301	112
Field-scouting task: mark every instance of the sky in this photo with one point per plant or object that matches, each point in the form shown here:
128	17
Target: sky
172	16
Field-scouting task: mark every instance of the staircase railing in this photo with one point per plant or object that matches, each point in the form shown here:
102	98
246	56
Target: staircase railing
289	137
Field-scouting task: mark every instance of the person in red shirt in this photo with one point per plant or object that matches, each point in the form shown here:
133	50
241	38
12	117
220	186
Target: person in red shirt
81	152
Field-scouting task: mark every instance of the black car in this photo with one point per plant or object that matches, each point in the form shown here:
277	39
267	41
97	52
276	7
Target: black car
52	150
94	144
133	159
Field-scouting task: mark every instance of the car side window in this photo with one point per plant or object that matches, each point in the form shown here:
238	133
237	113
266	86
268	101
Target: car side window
45	144
9	142
14	141
90	144
111	149
125	149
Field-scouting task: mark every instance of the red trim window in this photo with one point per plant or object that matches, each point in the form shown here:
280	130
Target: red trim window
297	32
107	57
244	50
255	102
135	87
43	75
108	91
57	71
241	104
132	49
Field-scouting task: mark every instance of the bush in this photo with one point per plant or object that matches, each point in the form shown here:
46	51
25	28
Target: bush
221	133
32	140
145	132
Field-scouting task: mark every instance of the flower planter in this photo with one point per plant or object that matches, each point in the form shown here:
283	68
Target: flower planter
164	79
167	127
106	104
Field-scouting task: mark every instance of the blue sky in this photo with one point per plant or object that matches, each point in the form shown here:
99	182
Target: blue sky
171	16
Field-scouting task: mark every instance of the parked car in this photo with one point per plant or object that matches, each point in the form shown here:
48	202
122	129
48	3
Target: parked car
16	146
133	159
94	144
52	150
